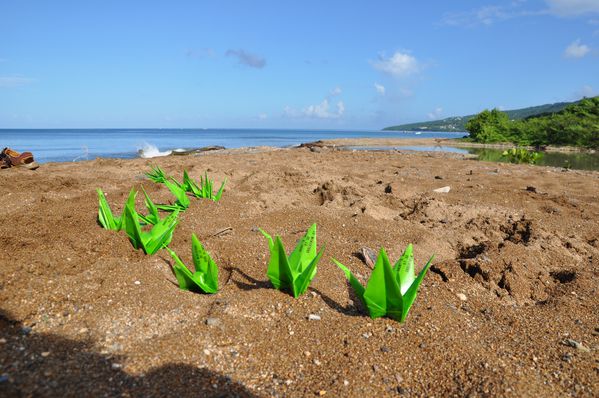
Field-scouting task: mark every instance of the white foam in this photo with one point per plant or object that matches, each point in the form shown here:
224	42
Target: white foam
148	151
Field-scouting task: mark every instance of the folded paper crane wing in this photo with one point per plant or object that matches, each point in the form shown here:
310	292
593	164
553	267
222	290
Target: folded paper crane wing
390	291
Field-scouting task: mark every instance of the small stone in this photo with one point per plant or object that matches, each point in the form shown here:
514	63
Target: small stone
316	362
307	353
390	329
442	189
438	178
573	343
137	282
26	330
213	322
462	296
314	317
291	333
345	383
83	330
366	335
206	351
567	357
116	366
385	349
388	189
2	340
322	393
45	354
234	354
4	378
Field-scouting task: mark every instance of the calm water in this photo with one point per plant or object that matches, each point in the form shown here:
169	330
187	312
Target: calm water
84	144
578	161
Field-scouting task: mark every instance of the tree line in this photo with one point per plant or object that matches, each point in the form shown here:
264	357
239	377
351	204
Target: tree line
575	125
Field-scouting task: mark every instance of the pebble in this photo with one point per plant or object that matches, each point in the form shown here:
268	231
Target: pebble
116	366
213	322
45	354
576	344
137	282
390	329
345	383
83	330
316	362
4	378
567	357
385	349
2	340
462	296
25	330
314	317
442	189
322	392
206	351
366	335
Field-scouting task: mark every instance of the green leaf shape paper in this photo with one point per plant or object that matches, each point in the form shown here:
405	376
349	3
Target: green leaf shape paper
205	277
153	240
293	273
178	191
105	216
390	291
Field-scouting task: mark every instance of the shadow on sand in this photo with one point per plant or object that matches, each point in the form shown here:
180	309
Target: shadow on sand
48	365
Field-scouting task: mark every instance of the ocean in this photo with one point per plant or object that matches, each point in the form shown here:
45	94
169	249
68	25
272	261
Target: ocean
69	145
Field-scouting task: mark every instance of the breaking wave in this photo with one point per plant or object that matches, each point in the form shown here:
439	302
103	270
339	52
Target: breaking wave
148	151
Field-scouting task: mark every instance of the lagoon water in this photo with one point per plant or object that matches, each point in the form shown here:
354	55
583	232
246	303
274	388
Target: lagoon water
66	145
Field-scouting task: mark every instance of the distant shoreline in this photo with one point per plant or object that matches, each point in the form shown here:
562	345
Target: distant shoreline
453	142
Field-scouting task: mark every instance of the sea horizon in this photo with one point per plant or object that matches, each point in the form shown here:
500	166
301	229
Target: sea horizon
77	144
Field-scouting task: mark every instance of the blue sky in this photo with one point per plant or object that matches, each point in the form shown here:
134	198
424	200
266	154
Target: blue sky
283	64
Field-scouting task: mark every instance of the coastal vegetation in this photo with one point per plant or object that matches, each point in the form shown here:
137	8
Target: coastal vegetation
458	123
575	125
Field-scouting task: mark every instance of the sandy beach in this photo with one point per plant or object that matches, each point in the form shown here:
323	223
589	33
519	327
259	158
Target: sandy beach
509	308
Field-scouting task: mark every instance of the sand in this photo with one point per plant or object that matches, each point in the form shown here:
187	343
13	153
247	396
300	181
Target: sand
509	308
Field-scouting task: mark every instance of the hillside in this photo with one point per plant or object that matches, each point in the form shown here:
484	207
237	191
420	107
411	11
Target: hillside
458	123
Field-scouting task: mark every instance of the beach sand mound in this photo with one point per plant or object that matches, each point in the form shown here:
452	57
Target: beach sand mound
509	307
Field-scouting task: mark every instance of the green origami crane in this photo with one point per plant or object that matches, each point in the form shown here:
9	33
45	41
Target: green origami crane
205	277
152	218
204	190
293	273
179	193
153	240
390	291
157	175
105	217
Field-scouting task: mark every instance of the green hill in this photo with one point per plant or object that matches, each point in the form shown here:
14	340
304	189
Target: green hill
458	123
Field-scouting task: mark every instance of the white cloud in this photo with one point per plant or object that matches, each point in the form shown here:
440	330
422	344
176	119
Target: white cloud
570	8
321	111
398	65
435	114
585	91
14	81
246	58
576	50
263	116
379	88
336	91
